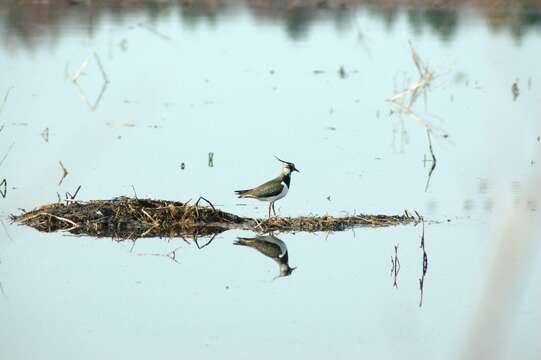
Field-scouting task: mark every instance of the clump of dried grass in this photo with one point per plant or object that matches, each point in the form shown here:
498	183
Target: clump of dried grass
128	217
125	217
331	223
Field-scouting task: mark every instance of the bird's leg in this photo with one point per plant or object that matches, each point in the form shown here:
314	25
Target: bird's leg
273	209
270	204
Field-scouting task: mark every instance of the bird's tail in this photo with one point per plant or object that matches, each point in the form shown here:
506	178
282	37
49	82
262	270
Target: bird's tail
241	193
243	241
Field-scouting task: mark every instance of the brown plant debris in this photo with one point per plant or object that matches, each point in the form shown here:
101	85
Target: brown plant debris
125	217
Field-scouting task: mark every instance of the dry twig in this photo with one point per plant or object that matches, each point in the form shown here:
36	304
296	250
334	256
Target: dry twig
81	69
104	76
64	173
5	99
404	100
433	160
206	244
102	70
395	267
6	230
6	154
2	291
425	266
4	192
154	31
69	196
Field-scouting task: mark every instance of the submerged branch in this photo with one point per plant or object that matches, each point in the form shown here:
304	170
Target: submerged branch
126	217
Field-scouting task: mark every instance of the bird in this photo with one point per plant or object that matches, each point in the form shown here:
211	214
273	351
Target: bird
272	247
272	190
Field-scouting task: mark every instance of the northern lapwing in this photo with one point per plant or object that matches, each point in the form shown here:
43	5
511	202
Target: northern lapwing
272	247
272	190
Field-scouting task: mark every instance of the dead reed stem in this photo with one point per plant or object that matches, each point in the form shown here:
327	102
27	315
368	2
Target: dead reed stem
102	70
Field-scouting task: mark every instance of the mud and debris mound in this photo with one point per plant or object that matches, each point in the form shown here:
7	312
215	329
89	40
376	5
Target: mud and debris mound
126	217
131	218
331	223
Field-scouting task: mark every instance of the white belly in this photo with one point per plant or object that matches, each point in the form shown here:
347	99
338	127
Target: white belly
285	189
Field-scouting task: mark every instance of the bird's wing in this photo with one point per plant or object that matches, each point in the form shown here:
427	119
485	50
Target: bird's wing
279	244
262	245
268	189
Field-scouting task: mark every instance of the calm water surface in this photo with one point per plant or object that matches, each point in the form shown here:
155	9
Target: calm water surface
246	88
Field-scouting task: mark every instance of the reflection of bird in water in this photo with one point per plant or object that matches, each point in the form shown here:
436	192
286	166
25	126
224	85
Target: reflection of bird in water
272	247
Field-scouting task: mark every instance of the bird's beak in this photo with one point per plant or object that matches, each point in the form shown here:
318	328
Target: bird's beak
296	170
